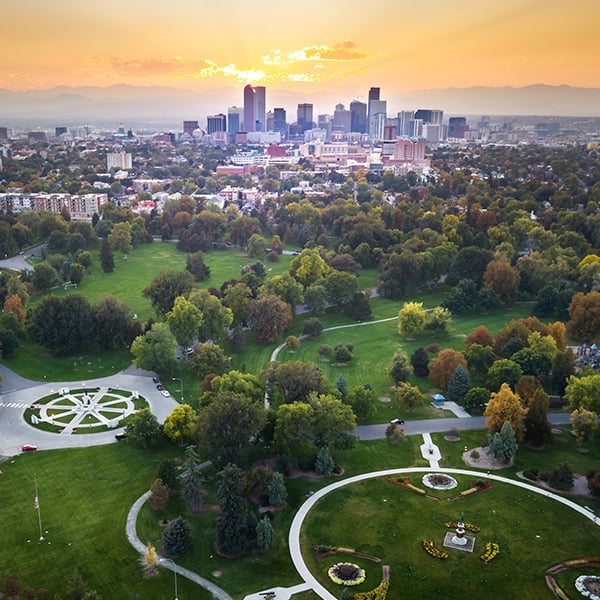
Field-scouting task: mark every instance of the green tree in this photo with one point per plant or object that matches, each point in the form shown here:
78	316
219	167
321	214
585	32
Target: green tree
409	397
190	478
411	318
399	274
107	260
235	382
232	520
502	445
537	429
179	425
308	267
238	298
44	277
257	246
120	237
209	358
184	320
480	359
159	495
584	423
438	321
459	385
503	371
76	273
167	286
312	328
142	429
294	431
324	461
264	534
156	350
561	478
420	362
167	473
362	401
8	342
269	317
112	323
532	362
315	299
584	392
334	421
226	426
398	369
340	287
216	317
563	367
196	266
503	280
294	380
177	537
277	491
475	398
285	287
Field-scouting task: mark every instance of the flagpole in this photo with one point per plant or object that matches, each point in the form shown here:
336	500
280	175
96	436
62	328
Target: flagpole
37	506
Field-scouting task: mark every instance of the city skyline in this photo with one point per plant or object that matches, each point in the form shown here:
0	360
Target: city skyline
336	48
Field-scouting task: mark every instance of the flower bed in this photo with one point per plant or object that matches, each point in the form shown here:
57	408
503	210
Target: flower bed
491	551
405	483
378	593
439	481
322	550
431	549
346	574
475	488
467	526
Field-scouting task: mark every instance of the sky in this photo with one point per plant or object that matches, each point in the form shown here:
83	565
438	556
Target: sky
306	46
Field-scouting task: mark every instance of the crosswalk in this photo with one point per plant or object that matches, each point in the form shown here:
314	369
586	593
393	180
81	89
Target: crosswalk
14	404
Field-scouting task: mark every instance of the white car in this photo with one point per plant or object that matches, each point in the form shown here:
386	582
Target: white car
165	393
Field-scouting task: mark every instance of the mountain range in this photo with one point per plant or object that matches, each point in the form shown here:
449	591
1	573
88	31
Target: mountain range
165	108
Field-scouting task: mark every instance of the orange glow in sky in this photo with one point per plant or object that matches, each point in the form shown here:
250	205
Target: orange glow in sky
344	46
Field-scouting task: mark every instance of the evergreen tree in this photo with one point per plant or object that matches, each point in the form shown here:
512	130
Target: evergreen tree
159	495
106	257
177	537
342	386
537	429
238	340
561	478
277	491
192	496
502	445
459	385
398	369
191	480
232	520
324	461
264	534
168	474
420	362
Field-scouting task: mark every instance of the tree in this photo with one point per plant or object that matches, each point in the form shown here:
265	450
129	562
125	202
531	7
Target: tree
308	267
315	299
277	491
156	350
196	266
190	479
398	369
411	318
502	445
593	481
235	382
232	520
142	429
503	371
184	320
584	423
362	401
340	287
216	318
285	287
399	274
480	359
537	429
439	320
420	362
269	317
120	237
264	534
167	473
409	397
324	461
470	263
226	426
584	310
505	405
294	380
563	367
294	431
44	277
257	246
342	353
312	328
209	358
238	298
177	537
503	280
107	260
532	362
584	392
76	273
475	398
159	495
480	336
179	425
334	421
442	368
8	342
167	286
14	304
112	323
459	385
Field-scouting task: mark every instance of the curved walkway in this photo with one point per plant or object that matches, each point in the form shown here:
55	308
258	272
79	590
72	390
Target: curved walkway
134	540
294	535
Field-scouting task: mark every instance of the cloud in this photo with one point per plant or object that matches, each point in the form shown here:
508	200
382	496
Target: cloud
148	67
341	52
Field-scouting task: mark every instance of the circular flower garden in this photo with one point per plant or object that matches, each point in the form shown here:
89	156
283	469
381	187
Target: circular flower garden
345	573
588	586
439	481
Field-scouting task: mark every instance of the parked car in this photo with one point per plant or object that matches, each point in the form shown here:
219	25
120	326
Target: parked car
188	351
28	448
165	393
155	380
397	421
160	387
120	437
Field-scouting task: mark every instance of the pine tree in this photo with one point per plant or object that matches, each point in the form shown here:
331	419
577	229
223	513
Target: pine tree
502	445
459	385
324	461
106	257
192	496
177	537
277	491
191	480
232	520
159	495
398	369
168	474
537	429
264	534
342	386
420	362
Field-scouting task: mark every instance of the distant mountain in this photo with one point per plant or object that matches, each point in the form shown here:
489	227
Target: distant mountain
162	107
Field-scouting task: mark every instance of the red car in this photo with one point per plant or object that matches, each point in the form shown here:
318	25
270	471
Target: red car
28	448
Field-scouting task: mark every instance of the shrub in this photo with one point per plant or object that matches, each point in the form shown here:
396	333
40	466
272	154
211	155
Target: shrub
561	478
475	455
531	474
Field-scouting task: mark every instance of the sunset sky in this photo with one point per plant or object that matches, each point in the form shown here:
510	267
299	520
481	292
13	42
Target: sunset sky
342	46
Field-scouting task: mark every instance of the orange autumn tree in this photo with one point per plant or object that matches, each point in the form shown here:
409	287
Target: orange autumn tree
14	305
505	405
443	367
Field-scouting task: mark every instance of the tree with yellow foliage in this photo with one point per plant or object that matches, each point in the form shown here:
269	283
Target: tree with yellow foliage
505	405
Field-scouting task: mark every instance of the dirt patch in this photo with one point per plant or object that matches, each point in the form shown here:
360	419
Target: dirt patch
452	438
580	485
384	399
485	460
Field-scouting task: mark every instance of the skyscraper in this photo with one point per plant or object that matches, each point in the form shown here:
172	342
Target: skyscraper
190	126
249	109
358	116
305	116
404	123
216	123
279	122
234	120
260	108
341	119
377	113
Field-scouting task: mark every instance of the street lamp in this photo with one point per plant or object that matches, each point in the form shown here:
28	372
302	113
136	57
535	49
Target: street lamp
174	569
181	386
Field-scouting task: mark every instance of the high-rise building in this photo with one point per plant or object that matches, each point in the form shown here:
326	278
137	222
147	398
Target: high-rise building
373	97
216	123
341	119
118	160
58	131
3	133
260	108
457	127
305	116
190	126
358	116
279	122
404	119
377	118
249	109
430	116
234	120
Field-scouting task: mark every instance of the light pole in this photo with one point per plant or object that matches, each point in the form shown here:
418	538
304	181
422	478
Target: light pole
181	386
174	573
